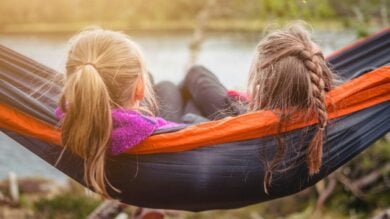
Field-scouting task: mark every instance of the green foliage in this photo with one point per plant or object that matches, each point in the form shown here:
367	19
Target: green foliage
377	194
67	205
135	12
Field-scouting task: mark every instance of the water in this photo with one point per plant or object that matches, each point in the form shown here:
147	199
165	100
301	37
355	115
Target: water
228	55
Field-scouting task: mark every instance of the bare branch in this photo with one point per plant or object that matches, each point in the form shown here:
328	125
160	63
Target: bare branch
371	177
198	35
350	186
324	195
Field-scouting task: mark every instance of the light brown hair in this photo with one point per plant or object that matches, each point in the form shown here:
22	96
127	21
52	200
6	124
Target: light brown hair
102	71
289	75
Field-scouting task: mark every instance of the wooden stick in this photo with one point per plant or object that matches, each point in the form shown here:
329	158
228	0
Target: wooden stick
107	210
13	187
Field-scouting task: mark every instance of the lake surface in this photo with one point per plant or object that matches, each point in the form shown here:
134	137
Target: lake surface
228	55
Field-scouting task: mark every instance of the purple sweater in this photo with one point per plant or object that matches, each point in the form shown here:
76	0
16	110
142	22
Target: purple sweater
130	128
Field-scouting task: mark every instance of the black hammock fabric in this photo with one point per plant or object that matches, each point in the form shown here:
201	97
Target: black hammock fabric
219	176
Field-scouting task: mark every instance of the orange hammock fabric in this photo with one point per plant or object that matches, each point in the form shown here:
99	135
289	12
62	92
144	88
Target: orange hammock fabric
360	93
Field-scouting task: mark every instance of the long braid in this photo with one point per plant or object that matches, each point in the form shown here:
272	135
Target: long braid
290	76
318	91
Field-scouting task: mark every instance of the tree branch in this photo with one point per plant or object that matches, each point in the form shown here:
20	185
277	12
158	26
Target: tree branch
371	177
324	194
356	186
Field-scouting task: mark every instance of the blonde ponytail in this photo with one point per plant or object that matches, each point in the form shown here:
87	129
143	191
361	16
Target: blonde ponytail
87	125
103	70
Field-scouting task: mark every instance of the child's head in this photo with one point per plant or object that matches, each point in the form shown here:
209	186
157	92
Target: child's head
104	69
289	74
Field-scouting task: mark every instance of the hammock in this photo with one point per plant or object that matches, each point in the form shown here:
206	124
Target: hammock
213	165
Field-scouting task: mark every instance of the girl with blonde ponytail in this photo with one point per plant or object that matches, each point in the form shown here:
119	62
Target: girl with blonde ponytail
100	106
289	75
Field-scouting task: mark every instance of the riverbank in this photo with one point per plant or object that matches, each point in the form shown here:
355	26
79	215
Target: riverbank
215	25
37	200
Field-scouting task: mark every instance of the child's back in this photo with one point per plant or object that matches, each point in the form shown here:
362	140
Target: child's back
106	81
290	76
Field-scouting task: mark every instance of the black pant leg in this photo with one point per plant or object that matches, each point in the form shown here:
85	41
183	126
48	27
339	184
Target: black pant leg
169	101
208	93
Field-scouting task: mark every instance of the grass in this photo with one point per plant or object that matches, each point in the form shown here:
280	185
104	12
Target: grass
67	205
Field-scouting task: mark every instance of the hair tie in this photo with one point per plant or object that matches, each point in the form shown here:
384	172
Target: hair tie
91	64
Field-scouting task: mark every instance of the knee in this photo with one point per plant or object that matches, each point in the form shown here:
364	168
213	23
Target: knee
196	72
164	85
196	69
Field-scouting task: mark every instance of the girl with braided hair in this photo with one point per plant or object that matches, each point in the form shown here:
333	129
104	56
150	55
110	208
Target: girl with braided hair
289	75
